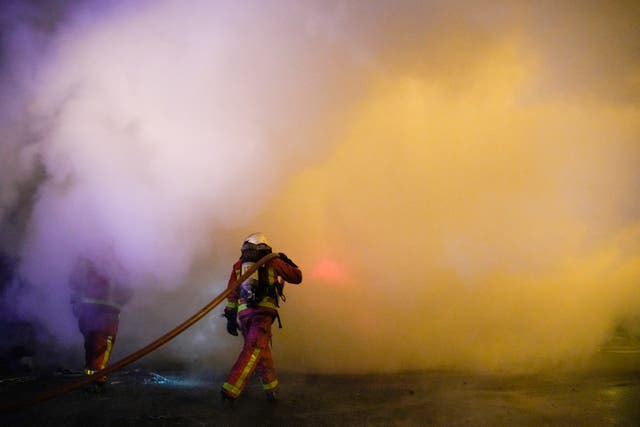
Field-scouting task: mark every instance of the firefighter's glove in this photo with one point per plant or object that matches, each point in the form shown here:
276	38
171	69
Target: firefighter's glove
232	323
287	260
232	327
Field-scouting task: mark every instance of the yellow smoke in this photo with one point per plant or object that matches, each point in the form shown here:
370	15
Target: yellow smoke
462	223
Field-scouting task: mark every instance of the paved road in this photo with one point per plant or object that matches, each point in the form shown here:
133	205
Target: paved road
606	395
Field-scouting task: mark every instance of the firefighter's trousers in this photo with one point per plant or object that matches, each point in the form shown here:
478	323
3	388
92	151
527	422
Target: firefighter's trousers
255	355
99	326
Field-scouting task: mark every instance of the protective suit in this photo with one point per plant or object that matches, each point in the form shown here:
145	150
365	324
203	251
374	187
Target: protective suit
255	303
96	300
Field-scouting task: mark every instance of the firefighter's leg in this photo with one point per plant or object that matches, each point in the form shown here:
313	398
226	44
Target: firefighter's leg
98	347
256	340
266	369
99	327
89	352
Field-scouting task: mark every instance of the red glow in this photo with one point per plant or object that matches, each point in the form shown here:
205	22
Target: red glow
329	270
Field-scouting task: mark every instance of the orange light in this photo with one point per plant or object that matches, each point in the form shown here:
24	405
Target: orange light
329	270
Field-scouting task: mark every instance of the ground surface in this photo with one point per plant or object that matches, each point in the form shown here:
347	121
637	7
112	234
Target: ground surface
606	395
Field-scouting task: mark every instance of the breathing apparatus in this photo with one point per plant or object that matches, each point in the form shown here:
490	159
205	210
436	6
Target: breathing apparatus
254	247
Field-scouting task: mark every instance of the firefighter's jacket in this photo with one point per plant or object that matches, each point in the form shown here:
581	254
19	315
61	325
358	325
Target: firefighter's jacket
91	286
273	269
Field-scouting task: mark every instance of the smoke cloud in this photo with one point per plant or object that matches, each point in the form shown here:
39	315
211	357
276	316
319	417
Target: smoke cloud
457	182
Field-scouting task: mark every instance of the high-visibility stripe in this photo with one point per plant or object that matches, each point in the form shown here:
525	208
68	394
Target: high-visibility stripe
271	280
235	389
88	371
263	303
247	369
107	353
273	384
101	302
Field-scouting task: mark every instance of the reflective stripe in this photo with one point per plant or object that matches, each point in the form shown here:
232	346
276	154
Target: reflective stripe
247	369
273	384
88	371
235	389
263	303
266	302
107	353
101	302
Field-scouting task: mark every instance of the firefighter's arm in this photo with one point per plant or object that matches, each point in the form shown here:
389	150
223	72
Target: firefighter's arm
75	304
231	309
76	286
232	299
287	269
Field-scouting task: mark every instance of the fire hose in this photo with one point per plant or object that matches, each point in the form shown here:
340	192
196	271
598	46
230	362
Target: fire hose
67	388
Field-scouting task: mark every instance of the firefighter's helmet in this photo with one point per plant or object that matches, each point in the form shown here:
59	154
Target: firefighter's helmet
254	247
256	239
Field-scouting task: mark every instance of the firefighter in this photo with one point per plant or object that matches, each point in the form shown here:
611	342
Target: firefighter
255	303
96	300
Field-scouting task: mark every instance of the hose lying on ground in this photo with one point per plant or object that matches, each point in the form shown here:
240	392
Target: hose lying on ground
59	391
